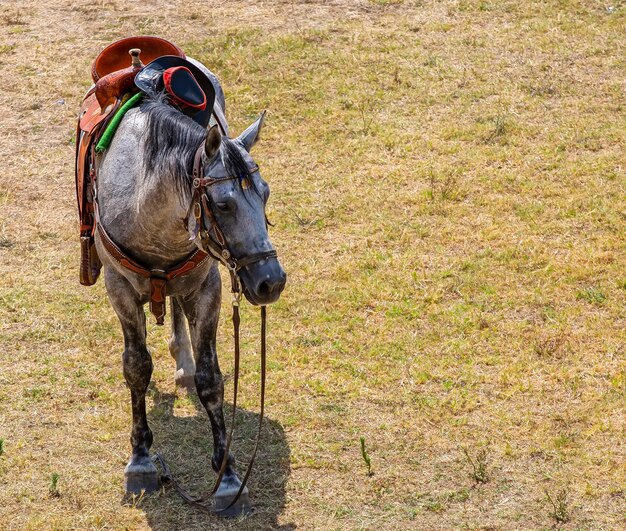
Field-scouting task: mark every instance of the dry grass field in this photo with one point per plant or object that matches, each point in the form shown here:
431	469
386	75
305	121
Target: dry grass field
449	198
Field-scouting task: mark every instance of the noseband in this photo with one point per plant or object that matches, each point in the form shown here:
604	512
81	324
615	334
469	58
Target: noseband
212	237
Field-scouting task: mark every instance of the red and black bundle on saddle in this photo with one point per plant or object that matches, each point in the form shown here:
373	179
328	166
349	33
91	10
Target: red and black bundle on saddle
168	70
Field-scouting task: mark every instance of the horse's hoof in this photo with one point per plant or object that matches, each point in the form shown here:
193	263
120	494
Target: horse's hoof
186	381
227	490
141	475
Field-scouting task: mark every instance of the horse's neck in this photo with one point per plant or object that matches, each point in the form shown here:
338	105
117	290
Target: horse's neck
143	214
160	216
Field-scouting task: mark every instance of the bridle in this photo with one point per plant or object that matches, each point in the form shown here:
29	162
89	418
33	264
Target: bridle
214	243
212	237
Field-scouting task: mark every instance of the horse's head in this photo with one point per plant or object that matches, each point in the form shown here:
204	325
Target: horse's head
234	213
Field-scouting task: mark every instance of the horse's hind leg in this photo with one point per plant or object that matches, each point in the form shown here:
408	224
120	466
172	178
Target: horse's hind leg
140	473
180	348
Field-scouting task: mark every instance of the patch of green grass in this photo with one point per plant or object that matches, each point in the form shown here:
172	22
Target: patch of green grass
592	295
53	488
16	30
559	506
366	458
498	127
619	381
6	48
564	440
478	462
35	393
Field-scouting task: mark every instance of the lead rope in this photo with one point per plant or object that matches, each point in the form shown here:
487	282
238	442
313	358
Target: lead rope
167	476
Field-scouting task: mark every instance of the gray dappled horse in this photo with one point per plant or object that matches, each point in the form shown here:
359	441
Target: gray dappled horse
144	197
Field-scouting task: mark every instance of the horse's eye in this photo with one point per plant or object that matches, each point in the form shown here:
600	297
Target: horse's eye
223	207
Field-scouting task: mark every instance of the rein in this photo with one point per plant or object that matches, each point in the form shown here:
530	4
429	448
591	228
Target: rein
167	476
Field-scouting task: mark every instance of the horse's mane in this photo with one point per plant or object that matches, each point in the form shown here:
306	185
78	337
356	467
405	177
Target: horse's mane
173	138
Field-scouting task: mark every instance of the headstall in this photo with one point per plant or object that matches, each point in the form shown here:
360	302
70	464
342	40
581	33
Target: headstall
212	237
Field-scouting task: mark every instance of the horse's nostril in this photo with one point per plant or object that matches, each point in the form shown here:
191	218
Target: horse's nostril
264	289
268	288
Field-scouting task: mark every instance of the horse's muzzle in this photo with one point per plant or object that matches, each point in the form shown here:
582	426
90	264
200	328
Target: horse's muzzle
263	281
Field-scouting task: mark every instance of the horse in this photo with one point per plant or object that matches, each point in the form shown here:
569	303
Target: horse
170	191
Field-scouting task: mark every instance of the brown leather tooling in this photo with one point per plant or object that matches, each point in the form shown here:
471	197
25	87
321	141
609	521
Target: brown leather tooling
158	277
111	87
91	123
114	57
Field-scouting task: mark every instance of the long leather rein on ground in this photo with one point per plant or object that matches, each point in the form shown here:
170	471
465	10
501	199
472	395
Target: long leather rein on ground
168	477
214	242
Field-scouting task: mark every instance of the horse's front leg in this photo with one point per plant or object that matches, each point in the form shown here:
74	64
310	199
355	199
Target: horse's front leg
202	311
140	473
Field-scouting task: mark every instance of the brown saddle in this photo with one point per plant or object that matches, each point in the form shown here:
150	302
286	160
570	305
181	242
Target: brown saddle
115	56
114	78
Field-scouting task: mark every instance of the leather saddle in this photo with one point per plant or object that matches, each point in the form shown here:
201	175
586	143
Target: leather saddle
114	81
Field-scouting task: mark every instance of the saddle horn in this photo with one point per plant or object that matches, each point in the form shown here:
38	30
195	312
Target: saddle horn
110	87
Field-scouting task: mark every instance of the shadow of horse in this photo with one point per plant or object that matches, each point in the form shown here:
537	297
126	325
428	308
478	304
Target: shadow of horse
186	445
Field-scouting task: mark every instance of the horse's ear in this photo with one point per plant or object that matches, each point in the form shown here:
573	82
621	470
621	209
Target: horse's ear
251	135
212	143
